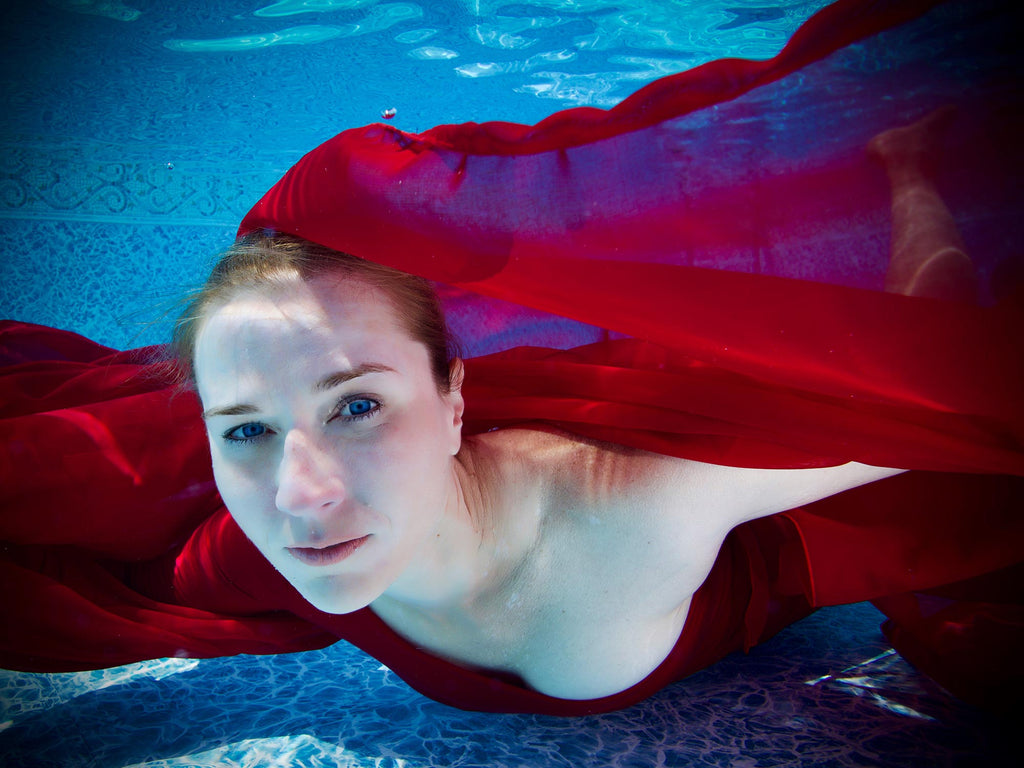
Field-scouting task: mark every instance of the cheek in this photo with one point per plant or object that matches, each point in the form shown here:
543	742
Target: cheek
403	464
424	452
244	494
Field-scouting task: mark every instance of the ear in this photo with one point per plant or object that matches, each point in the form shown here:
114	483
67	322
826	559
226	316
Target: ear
457	403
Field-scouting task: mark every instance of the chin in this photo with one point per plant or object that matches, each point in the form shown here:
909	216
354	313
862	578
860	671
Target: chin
327	596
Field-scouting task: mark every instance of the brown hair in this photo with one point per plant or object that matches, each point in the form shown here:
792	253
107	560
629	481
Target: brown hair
266	258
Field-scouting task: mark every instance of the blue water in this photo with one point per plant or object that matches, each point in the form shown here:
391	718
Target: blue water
133	140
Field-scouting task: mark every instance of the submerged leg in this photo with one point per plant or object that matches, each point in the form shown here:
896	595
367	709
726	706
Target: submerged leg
928	257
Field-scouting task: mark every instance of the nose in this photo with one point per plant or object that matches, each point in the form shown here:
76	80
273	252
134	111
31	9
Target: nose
309	480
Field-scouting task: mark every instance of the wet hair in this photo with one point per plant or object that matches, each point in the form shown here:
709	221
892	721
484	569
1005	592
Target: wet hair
265	259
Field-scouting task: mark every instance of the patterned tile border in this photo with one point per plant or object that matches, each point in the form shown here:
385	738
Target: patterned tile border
95	183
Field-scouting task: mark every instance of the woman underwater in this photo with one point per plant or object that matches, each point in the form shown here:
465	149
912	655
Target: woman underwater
531	531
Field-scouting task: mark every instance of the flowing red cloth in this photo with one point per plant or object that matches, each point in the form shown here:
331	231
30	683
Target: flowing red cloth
721	238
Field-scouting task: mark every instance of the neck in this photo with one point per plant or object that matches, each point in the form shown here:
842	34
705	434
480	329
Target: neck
477	545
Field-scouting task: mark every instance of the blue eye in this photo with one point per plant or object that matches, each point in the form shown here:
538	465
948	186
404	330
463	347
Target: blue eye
246	433
358	408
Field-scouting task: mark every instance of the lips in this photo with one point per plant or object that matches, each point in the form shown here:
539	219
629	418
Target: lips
330	555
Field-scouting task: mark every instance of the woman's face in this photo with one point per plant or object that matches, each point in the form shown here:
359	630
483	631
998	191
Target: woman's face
332	447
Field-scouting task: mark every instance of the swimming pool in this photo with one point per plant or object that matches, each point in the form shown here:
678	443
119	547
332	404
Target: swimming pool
134	141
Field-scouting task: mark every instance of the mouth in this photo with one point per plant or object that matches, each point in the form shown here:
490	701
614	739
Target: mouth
330	555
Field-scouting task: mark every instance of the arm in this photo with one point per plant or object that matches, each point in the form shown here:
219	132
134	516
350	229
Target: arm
669	492
752	493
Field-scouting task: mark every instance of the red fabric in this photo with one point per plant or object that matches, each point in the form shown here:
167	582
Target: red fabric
721	255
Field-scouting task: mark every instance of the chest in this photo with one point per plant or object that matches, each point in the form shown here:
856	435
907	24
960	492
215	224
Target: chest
598	613
586	651
573	623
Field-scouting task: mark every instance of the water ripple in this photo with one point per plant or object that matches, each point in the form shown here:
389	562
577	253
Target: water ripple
503	31
378	19
294	7
432	52
598	89
492	68
304	35
414	36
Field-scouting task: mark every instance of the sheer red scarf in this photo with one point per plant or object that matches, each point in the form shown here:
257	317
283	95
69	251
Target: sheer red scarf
671	218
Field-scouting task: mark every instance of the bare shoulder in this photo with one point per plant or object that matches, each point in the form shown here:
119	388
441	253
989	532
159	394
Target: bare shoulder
656	519
598	474
577	471
665	495
671	491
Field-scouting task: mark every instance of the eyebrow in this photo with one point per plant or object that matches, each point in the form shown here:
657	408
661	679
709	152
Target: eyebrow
328	382
332	380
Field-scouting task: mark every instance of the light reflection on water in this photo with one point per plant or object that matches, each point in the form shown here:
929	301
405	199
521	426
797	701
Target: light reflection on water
872	678
526	35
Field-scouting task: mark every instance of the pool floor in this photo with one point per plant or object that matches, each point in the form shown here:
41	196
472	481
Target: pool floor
825	692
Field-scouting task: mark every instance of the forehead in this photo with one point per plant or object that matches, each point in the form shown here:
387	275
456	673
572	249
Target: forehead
301	327
319	305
